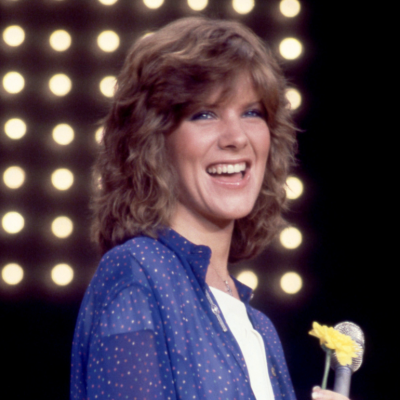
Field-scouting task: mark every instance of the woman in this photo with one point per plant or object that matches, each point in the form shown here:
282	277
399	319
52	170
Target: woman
195	155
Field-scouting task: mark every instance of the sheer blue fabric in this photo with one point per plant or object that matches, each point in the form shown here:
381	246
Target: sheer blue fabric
146	330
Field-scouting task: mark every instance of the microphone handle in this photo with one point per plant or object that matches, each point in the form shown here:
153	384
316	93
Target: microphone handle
342	380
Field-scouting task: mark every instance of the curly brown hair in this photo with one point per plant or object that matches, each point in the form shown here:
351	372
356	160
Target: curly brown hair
164	75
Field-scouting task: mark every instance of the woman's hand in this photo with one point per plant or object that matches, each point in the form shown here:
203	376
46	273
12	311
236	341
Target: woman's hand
318	393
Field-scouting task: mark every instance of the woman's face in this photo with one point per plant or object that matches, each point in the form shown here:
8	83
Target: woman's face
219	154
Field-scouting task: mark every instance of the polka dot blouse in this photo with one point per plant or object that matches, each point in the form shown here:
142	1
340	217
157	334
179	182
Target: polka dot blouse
150	328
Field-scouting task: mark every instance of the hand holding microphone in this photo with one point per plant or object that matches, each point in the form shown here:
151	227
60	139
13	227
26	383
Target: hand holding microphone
319	394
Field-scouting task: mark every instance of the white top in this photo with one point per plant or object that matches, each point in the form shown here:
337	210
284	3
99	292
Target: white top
250	342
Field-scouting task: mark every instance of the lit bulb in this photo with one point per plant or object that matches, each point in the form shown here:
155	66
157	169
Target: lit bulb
60	84
12	274
13	82
62	274
14	177
13	222
243	6
248	278
290	238
289	8
294	187
60	40
153	4
294	98
14	35
108	41
63	134
291	282
290	48
62	179
197	5
15	128
107	86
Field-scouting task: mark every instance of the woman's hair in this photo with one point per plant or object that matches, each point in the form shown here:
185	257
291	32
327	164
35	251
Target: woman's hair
165	74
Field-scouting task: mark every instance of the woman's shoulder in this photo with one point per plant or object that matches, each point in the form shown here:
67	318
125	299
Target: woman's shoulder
138	250
132	262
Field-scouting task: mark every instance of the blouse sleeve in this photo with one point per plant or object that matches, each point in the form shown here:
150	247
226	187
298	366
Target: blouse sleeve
119	349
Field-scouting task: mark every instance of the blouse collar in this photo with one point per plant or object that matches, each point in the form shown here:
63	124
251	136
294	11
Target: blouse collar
198	257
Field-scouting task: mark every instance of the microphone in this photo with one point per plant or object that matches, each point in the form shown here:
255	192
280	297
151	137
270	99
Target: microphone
343	373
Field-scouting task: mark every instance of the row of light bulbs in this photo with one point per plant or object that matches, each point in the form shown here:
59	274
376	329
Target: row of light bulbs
288	8
13	222
61	84
109	41
63	274
60	40
290	282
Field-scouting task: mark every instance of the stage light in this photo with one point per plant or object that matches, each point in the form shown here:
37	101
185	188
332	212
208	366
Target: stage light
291	282
13	82
15	128
12	274
294	187
289	8
197	5
108	2
290	238
14	35
60	40
62	179
60	84
249	278
14	177
62	274
98	136
153	4
107	86
294	98
13	222
63	134
108	41
62	227
290	48
242	6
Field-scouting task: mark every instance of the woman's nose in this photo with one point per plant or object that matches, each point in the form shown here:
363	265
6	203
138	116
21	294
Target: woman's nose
233	135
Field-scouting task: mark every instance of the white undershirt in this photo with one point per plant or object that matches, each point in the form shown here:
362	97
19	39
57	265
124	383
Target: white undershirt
250	342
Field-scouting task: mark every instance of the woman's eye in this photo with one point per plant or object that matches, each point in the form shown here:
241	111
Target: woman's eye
255	113
202	115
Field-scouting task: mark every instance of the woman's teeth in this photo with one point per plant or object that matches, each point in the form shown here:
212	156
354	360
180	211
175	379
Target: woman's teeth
227	168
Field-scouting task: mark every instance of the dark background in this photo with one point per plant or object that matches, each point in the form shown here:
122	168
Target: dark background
347	256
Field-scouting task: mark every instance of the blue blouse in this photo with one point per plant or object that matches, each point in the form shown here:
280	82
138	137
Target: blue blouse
150	328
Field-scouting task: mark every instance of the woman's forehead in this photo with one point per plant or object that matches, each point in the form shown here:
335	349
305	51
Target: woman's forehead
240	84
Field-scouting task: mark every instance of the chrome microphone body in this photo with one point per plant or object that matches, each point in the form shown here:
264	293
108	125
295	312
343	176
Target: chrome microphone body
343	373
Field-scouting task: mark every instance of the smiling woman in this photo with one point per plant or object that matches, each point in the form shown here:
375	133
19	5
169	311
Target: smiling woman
196	151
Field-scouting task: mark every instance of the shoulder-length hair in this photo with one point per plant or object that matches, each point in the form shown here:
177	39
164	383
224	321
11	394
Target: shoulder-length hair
164	74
